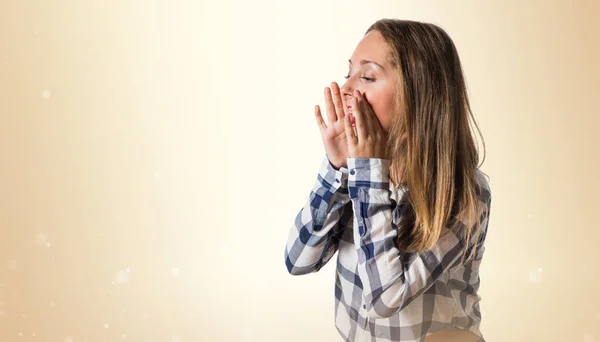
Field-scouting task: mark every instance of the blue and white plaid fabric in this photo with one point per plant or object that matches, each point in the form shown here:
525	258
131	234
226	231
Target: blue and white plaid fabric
382	294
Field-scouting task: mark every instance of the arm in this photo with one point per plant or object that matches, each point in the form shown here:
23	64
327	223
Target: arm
314	237
388	284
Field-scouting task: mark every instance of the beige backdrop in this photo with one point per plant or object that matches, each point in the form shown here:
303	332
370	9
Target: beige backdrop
154	155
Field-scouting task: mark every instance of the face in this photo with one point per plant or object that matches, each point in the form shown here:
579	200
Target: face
371	74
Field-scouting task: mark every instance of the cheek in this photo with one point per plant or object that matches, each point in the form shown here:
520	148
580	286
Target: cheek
383	108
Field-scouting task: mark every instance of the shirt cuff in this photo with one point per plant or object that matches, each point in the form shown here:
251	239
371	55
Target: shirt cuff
371	173
335	178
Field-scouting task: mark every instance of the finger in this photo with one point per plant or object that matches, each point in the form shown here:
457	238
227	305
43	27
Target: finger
358	119
331	115
337	100
366	116
350	133
319	118
344	104
375	123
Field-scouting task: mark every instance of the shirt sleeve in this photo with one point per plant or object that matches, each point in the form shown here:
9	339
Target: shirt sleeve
389	284
317	229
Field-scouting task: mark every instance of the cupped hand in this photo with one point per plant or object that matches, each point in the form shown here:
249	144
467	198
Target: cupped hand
334	134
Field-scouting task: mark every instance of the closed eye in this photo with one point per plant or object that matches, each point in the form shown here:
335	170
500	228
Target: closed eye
368	79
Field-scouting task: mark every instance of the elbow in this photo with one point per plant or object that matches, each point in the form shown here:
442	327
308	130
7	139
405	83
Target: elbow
388	302
374	313
298	270
379	311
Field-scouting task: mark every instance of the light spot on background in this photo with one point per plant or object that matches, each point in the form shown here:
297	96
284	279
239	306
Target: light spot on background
122	276
46	94
535	276
41	239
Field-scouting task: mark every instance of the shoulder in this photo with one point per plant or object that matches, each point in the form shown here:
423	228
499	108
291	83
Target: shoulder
483	189
484	194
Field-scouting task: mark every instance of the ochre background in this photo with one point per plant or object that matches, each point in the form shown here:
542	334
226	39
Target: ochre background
154	154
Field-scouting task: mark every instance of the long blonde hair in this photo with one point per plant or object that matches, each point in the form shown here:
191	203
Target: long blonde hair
433	153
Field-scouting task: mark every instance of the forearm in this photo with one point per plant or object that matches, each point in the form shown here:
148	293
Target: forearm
379	266
314	236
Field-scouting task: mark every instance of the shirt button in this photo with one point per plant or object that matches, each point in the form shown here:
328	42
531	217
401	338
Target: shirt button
352	172
364	306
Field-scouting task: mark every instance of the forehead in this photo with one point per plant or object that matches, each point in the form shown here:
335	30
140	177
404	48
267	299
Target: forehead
372	47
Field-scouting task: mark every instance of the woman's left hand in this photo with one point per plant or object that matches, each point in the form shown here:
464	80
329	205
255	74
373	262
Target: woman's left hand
369	140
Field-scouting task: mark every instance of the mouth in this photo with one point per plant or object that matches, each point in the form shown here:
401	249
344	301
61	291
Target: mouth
349	113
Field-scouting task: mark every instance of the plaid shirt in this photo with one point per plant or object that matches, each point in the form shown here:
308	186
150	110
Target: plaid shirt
381	293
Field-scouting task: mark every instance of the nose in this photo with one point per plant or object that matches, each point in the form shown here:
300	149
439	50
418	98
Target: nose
347	90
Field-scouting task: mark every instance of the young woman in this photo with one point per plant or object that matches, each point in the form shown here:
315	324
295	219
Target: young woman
399	193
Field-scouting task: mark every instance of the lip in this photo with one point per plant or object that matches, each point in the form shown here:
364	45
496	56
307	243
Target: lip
349	112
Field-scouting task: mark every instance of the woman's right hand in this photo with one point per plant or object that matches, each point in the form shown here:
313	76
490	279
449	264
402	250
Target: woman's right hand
334	134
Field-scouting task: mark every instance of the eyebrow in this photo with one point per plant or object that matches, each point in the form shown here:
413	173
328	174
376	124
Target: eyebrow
365	61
